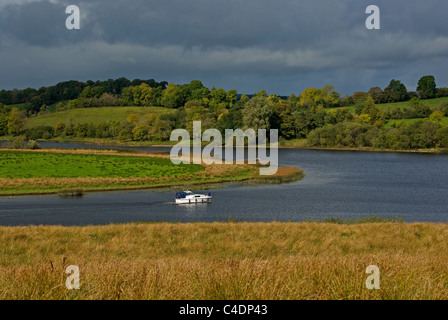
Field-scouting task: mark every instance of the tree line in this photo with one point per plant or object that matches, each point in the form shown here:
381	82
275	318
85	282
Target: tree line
321	116
123	92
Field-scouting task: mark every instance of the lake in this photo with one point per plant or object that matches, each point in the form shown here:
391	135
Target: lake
339	184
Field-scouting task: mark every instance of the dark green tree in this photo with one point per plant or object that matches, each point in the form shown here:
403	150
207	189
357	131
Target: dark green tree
283	120
377	94
396	91
427	87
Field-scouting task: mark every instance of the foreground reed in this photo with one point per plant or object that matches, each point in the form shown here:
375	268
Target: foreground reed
225	261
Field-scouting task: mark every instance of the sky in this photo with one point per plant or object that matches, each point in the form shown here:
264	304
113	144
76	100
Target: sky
281	46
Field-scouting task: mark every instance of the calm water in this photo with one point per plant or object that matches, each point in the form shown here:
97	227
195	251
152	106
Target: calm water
337	184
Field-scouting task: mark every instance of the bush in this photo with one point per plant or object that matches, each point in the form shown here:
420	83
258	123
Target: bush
18	142
442	137
32	144
40	132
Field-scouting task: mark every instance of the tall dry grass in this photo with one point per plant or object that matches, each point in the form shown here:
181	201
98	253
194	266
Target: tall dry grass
225	261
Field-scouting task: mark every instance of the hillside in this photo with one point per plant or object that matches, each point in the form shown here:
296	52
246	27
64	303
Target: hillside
94	115
432	103
103	114
410	125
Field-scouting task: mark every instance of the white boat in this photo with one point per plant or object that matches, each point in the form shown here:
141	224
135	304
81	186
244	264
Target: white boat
186	197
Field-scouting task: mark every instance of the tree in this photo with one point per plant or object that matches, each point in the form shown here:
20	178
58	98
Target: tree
374	114
232	97
59	128
173	96
244	98
195	85
257	113
5	97
309	98
442	137
427	87
330	96
195	90
441	92
261	93
284	119
326	97
140	132
359	100
343	114
218	95
396	91
141	95
18	142
436	116
273	98
420	110
427	134
359	97
127	95
91	92
200	94
15	122
3	125
377	94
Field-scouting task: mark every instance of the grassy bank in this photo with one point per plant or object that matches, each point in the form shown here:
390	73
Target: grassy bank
225	261
284	144
302	144
56	170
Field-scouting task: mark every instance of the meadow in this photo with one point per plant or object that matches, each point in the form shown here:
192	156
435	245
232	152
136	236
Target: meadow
19	164
225	261
432	103
94	115
75	171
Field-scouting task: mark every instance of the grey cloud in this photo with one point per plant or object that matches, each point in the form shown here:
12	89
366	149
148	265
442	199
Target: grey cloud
282	46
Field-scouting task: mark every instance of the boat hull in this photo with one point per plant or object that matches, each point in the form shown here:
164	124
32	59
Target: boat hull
206	199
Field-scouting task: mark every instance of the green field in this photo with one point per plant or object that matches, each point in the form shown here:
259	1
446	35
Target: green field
432	103
94	115
16	164
64	171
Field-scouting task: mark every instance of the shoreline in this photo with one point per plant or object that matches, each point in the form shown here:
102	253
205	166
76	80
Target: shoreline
111	143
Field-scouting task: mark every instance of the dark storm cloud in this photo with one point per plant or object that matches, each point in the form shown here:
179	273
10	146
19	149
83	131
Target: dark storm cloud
283	46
